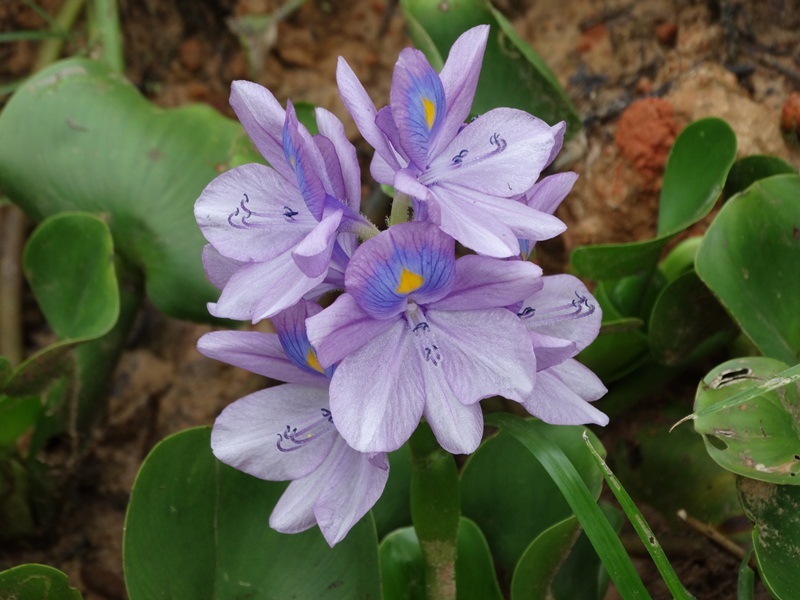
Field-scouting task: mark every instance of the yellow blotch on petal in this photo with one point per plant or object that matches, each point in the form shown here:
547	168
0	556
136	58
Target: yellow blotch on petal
409	282
430	112
311	361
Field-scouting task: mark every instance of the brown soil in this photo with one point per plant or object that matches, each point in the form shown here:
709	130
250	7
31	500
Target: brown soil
637	72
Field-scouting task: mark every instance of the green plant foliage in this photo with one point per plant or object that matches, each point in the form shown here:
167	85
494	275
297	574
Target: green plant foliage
501	483
68	264
775	513
77	136
393	509
686	321
758	438
695	174
36	582
513	74
196	528
656	458
749	258
17	415
746	171
403	571
540	562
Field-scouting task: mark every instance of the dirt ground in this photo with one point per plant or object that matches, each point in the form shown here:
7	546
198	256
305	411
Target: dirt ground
636	71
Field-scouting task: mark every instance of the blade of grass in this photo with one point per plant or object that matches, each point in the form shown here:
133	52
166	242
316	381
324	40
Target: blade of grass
641	527
51	22
30	35
566	477
50	49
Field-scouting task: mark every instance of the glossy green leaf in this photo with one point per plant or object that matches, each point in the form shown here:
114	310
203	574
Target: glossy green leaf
513	74
17	415
68	262
196	528
749	258
501	482
619	349
759	438
540	562
393	509
687	321
36	582
581	500
681	258
695	174
656	458
402	569
77	136
775	513
745	584
746	171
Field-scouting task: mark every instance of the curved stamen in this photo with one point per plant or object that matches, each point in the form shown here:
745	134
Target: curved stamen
242	217
422	332
293	438
578	308
430	176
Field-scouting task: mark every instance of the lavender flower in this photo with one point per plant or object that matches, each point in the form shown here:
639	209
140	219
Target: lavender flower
563	318
279	233
462	178
288	432
419	333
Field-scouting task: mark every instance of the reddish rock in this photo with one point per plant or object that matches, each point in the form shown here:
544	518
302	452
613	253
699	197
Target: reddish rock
591	36
666	33
645	134
790	115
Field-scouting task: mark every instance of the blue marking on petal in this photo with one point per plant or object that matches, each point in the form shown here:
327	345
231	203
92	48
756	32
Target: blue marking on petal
296	154
290	325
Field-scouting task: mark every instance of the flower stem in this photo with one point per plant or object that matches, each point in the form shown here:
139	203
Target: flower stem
435	511
401	206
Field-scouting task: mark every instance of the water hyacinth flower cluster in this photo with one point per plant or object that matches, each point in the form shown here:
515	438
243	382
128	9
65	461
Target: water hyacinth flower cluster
416	331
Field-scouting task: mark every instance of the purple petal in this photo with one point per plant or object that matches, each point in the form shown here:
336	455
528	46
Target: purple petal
547	194
418	104
290	326
381	171
251	434
458	428
407	261
355	482
483	282
565	309
559	129
294	511
260	353
563	393
262	117
308	165
404	181
342	329
332	128
377	392
525	222
313	254
483	353
500	153
251	213
551	351
219	269
363	111
459	78
261	290
471	225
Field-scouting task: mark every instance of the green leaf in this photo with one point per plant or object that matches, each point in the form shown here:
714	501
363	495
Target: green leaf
403	571
79	137
17	415
393	509
36	582
540	562
68	262
513	74
746	171
759	438
749	259
501	482
687	322
619	349
745	585
196	528
580	498
695	174
775	513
